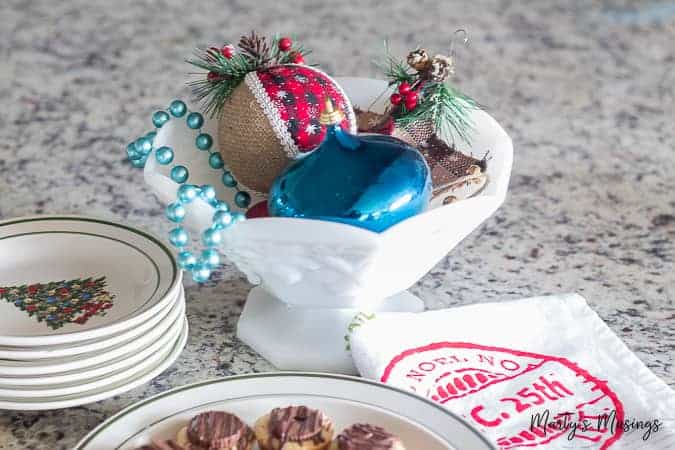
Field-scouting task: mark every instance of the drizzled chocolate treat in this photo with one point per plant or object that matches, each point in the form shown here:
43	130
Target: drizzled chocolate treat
216	430
362	436
304	427
162	445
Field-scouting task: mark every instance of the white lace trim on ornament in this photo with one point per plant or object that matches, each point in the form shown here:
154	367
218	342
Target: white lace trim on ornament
272	113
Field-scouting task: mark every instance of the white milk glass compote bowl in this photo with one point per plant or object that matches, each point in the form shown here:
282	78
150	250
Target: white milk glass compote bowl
314	277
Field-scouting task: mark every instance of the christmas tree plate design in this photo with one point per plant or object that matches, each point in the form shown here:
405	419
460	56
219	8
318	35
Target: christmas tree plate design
80	370
72	279
129	338
104	392
82	364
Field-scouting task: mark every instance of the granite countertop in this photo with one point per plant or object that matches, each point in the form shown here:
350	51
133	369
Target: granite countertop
585	89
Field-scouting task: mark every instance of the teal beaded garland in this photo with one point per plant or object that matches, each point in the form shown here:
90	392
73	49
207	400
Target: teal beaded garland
242	199
204	141
138	153
177	108
159	118
187	193
178	237
164	155
186	260
143	145
222	219
228	179
179	174
216	161
175	212
211	258
194	120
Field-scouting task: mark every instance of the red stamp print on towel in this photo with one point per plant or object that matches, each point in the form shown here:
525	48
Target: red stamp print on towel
518	399
60	302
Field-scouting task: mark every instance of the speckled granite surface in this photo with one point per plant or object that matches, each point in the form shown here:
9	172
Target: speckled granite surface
586	90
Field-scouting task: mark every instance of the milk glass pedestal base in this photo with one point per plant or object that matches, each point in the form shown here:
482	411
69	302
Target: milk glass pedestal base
301	338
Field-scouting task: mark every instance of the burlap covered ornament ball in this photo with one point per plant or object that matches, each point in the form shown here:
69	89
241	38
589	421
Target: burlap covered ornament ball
268	104
272	117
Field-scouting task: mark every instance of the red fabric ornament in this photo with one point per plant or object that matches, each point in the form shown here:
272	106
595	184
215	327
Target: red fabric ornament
272	117
285	44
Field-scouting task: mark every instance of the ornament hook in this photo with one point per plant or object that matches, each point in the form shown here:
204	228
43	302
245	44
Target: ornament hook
330	115
465	40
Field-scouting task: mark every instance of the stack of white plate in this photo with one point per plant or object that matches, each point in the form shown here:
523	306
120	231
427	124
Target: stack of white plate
88	309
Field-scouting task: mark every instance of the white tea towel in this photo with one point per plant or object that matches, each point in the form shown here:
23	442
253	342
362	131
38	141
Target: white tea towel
543	372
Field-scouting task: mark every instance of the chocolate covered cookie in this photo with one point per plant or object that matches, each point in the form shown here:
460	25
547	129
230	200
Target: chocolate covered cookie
294	428
363	436
162	445
216	430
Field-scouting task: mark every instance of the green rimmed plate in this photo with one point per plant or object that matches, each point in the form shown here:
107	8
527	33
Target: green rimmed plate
420	423
67	279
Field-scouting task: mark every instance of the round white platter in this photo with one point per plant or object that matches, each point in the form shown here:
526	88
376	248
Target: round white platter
78	362
83	375
110	390
140	273
420	423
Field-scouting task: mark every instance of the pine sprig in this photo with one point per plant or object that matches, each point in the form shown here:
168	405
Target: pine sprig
394	69
446	108
225	74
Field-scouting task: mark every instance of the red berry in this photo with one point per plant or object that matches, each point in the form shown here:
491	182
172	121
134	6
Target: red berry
410	103
395	99
297	58
404	88
212	76
227	51
285	44
411	96
31	308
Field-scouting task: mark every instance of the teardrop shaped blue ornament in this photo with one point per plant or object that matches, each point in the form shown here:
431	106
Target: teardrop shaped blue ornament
369	181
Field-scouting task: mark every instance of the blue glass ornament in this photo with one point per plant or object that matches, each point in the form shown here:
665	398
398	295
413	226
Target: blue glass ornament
159	118
179	174
138	163
177	108
195	120
204	141
164	155
132	153
369	181
151	135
